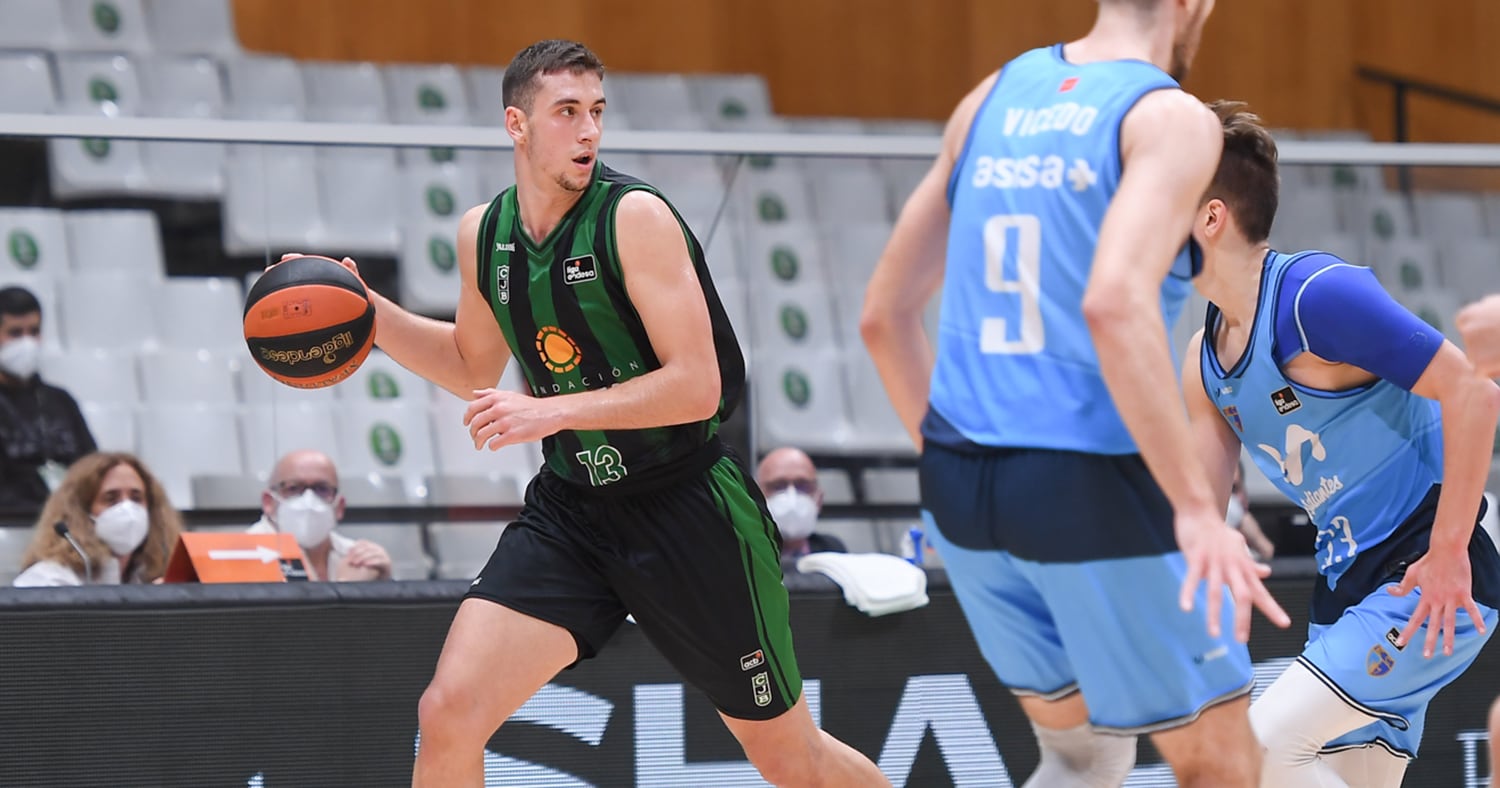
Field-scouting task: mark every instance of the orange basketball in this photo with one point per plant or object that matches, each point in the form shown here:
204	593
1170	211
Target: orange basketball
309	322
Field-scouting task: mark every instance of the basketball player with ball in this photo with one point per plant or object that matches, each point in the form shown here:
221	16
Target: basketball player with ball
594	284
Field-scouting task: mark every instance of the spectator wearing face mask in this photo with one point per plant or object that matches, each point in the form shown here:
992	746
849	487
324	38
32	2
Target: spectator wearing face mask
302	499
121	524
1239	516
789	481
41	429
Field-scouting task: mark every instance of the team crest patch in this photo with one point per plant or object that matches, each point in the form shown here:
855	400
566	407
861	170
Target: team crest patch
761	684
1379	662
502	282
1232	415
1285	401
579	269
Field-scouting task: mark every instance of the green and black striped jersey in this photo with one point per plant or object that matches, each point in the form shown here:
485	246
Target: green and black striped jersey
569	321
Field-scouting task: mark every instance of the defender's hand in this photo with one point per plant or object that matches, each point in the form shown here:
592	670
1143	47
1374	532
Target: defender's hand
1216	554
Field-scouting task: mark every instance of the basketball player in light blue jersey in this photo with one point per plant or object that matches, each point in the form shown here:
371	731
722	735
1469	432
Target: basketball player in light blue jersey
1380	430
1063	196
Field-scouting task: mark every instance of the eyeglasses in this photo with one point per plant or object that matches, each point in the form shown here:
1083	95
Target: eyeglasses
293	489
804	486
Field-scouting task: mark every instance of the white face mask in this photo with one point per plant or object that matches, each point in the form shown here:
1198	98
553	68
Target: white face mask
1236	512
21	356
123	527
795	513
308	518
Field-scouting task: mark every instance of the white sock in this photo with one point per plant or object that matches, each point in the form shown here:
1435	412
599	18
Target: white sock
1081	758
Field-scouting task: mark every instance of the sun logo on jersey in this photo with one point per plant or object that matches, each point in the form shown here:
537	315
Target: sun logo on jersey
557	350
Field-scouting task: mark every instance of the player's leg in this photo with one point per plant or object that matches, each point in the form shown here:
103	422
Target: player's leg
1369	766
1073	753
1294	719
493	660
539	605
700	570
1494	729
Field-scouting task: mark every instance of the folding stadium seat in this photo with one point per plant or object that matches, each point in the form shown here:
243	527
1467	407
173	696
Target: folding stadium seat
726	100
201	312
235	491
381	379
1345	246
386	437
179	441
264	88
113	426
358	203
891	485
345	92
874	424
737	308
272	430
192	27
724	251
789	320
403	541
372	489
775	197
799	401
25	82
462	549
31	24
1382	217
113	26
259	389
428	95
429	268
1304	214
14	543
1492	213
852	194
96	85
703	207
183	87
456	455
1405	265
837	490
785	256
1345	178
653	101
109	311
176	375
36	242
271	200
851	251
115	242
901	179
486	87
1471	267
437	195
92	375
497	172
674	173
1447	217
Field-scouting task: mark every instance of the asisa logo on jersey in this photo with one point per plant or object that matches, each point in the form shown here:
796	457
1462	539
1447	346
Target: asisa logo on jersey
579	269
1379	662
558	350
1030	172
1285	401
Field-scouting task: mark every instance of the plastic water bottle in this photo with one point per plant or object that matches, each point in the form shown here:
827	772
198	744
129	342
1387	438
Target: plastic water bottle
911	545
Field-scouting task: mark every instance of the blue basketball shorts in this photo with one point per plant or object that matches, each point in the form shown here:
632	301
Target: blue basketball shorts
1067	570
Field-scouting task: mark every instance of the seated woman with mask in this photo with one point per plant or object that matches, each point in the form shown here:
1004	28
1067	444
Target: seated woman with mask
109	522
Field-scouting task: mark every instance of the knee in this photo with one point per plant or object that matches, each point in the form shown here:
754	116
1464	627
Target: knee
1495	720
789	767
1082	756
444	710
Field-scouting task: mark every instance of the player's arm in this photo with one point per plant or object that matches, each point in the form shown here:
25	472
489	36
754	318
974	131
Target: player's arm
468	354
1479	323
909	273
666	293
1170	146
1215	442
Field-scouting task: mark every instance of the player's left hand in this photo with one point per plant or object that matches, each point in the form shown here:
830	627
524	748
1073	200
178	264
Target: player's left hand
1446	585
497	418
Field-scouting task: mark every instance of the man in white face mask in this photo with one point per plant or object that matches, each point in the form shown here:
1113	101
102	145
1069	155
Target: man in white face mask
302	499
789	481
42	430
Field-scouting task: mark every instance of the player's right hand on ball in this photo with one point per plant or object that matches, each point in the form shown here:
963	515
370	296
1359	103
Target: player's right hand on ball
1216	555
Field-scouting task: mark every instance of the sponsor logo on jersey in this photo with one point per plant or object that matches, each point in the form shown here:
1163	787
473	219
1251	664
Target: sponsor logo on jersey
1379	662
1068	116
752	660
1032	172
1232	415
500	247
558	351
579	269
1220	652
502	282
761	683
1392	636
1285	401
1067	85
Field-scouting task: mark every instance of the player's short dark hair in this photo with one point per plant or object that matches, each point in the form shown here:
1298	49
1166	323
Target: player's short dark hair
18	301
1248	179
544	57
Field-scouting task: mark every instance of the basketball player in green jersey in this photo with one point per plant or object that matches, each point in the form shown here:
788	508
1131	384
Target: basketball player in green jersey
591	280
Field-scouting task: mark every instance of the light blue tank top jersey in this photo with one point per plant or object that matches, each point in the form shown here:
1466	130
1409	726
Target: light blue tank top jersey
1357	461
1016	365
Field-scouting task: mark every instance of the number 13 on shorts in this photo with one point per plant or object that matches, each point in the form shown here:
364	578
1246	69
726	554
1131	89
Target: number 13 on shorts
1024	233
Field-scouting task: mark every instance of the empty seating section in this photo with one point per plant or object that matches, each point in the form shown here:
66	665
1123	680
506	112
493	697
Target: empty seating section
160	367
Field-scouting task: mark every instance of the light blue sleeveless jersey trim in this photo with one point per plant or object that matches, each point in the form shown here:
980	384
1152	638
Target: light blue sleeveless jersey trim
1016	365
